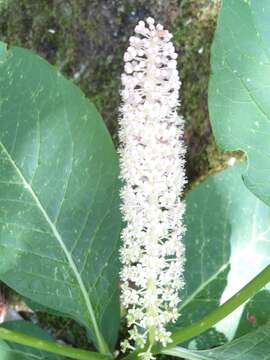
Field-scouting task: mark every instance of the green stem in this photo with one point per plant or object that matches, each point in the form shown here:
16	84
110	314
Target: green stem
50	346
215	316
224	310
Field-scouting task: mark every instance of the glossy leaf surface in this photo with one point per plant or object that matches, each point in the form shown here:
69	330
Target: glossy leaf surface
227	245
255	346
60	221
239	89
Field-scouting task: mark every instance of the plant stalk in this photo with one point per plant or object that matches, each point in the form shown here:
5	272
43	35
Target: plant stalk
50	346
215	316
178	337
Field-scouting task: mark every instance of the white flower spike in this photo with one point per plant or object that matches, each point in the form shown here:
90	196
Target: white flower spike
152	170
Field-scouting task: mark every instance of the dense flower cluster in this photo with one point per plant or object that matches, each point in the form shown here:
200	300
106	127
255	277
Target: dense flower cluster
152	170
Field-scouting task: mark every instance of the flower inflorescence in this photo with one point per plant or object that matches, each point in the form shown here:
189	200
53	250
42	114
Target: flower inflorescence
152	170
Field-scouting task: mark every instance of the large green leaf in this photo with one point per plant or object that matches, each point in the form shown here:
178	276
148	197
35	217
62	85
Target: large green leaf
12	351
227	244
255	346
239	89
59	213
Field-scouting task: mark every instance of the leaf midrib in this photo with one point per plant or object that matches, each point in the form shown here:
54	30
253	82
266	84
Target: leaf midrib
179	351
202	286
101	343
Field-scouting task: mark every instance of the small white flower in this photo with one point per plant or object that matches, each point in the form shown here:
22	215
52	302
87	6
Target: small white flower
152	170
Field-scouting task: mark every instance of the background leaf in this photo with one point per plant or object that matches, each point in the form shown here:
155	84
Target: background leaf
227	244
12	351
59	213
239	89
255	346
255	314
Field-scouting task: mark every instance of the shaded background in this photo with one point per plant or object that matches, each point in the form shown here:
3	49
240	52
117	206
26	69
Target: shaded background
86	40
